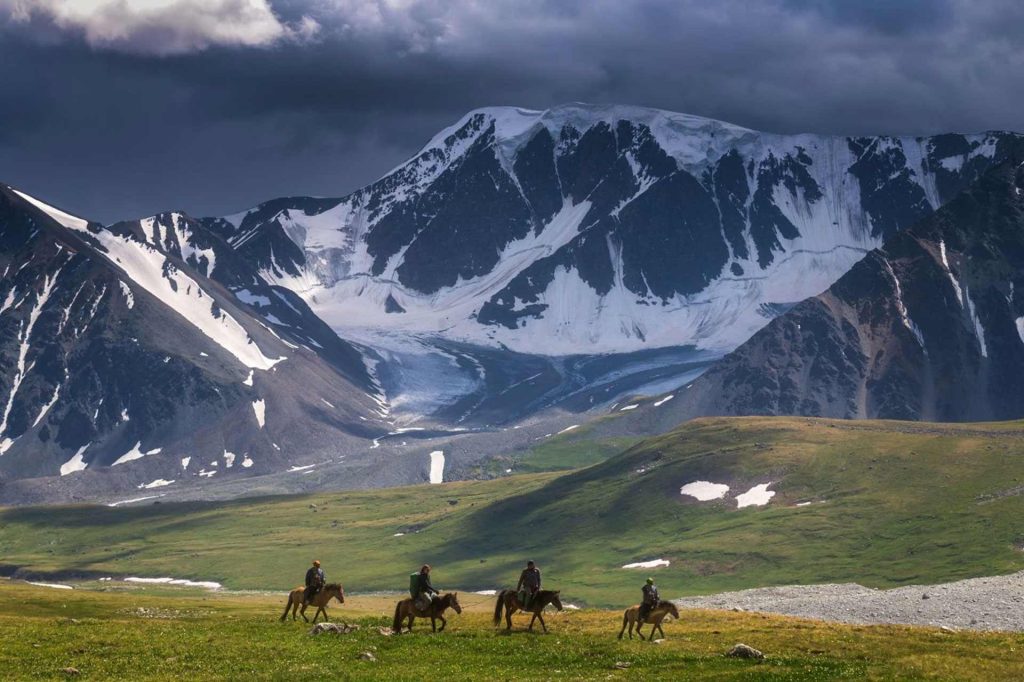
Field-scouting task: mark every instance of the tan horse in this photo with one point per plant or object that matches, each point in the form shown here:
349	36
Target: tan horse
632	615
406	609
320	599
509	600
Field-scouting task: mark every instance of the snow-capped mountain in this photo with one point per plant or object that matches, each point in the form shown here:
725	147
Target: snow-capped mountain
125	365
600	229
523	268
930	326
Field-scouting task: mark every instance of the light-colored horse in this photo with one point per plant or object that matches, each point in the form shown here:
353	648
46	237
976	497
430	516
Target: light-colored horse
509	601
406	610
320	599
631	617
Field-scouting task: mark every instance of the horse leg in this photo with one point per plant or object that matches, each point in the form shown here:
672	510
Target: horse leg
638	626
287	606
625	619
542	623
443	623
660	630
295	609
508	615
302	611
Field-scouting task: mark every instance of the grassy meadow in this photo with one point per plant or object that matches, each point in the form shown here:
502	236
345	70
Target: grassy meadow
125	632
889	504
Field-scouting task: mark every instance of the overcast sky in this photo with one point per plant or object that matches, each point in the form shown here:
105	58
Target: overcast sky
122	108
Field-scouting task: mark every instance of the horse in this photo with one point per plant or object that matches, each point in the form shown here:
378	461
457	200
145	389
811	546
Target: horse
509	600
406	609
631	617
320	599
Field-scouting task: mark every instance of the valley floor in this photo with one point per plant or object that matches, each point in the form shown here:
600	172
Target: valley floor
991	603
143	633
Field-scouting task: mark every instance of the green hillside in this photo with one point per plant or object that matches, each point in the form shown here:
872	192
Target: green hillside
892	503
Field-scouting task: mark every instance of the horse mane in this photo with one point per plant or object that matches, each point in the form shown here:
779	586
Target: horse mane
333	586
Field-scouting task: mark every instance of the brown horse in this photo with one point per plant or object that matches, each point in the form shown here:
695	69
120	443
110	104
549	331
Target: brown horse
406	609
320	599
509	600
631	617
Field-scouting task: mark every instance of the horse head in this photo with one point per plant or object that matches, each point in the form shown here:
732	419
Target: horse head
335	590
453	601
555	600
672	609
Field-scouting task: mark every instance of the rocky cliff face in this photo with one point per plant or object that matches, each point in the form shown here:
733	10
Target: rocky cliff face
930	326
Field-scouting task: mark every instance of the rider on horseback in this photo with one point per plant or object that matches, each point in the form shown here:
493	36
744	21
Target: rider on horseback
315	581
650	600
529	584
425	592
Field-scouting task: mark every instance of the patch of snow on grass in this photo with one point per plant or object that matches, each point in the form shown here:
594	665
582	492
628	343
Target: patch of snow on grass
328	404
298	468
75	463
568	429
135	453
705	490
489	593
260	408
208	584
246	461
229	459
629	407
56	586
436	466
185	461
133	500
757	496
663	400
653	563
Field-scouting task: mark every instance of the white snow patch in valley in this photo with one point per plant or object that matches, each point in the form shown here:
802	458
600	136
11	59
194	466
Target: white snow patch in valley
252	299
203	473
133	500
757	496
705	490
437	466
124	414
303	468
56	586
491	593
663	401
327	403
208	584
568	429
246	461
49	404
75	463
135	453
570	607
1020	328
158	483
629	407
260	408
185	461
229	459
398	535
653	563
248	379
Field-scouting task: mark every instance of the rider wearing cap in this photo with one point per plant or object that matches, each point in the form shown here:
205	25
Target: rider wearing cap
315	581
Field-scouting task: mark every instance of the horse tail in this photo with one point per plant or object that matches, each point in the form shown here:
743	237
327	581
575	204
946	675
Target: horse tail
396	624
497	607
287	605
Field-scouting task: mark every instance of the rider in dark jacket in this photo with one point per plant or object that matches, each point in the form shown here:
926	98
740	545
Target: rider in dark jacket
529	584
426	591
651	599
315	581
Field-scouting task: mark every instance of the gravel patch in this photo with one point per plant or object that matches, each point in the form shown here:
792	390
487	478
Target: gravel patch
994	603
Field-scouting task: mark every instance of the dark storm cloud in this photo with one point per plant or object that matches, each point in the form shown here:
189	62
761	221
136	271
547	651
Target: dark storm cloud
111	129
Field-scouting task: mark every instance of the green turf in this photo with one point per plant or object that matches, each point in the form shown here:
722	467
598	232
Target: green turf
137	635
901	503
